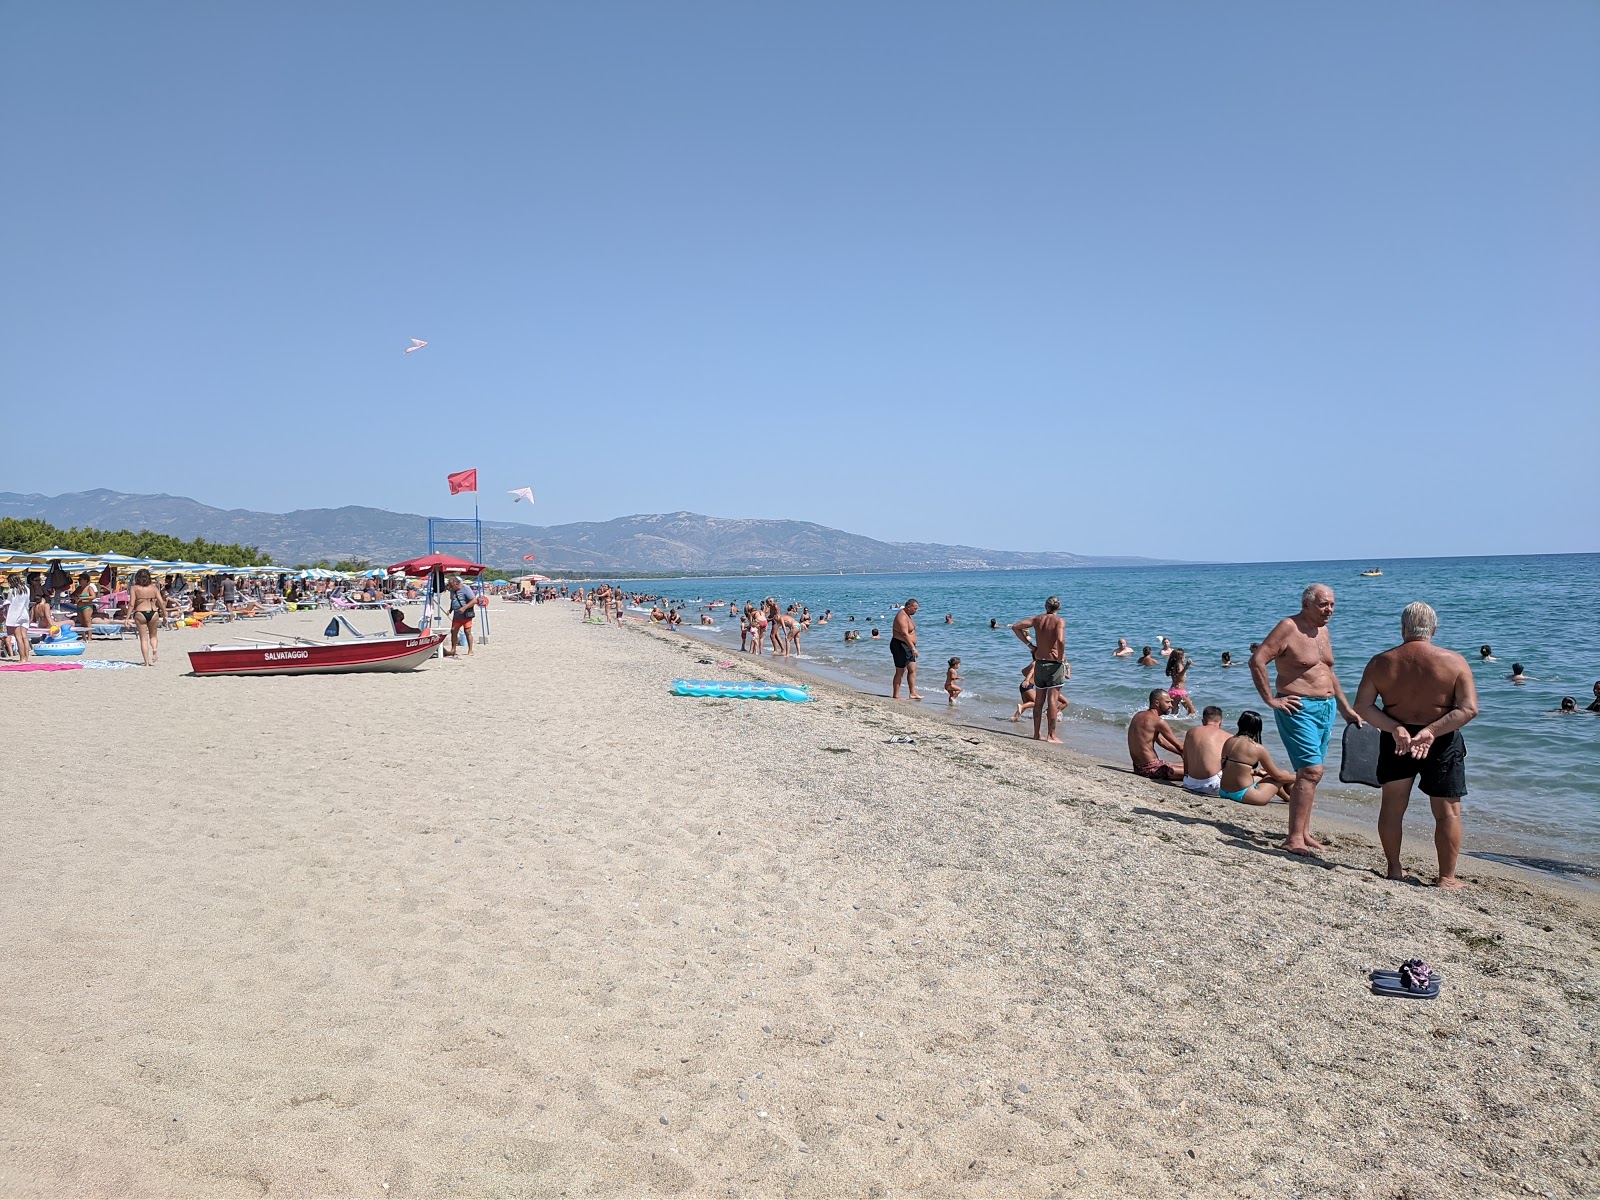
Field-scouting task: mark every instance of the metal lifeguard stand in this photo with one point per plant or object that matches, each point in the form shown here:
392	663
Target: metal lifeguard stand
458	536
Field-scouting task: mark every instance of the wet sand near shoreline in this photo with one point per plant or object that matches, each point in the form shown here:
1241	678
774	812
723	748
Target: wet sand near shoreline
527	924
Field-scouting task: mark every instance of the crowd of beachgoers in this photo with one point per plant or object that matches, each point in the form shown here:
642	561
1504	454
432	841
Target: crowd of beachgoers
1413	702
47	600
92	600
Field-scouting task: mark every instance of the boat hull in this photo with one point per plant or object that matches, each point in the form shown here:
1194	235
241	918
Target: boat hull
322	658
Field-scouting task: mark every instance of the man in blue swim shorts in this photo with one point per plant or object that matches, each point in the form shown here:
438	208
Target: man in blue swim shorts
1305	701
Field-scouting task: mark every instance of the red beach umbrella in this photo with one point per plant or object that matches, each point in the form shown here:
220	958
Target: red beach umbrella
429	563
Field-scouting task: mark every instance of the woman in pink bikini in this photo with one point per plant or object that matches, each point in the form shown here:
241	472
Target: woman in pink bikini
1178	671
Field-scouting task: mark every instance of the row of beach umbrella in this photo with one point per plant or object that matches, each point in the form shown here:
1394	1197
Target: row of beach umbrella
73	560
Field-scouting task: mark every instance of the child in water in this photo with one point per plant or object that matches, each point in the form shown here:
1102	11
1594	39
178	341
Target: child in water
952	680
1030	695
1178	671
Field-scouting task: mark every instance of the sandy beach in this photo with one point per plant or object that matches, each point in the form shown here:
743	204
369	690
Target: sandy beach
527	924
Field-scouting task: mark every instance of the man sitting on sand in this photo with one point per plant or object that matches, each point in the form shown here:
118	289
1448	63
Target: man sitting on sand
1428	695
1147	733
1202	753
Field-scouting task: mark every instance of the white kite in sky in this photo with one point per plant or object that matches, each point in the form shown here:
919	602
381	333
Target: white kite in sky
522	494
416	344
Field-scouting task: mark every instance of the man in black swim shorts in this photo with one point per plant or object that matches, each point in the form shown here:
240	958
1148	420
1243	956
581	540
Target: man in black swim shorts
1428	695
903	646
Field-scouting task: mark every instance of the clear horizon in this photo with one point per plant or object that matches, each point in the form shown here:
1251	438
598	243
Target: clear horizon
1239	283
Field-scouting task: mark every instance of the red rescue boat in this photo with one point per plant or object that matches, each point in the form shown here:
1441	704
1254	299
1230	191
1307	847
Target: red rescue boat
306	657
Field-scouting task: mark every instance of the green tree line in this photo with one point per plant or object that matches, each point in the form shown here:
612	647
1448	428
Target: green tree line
30	536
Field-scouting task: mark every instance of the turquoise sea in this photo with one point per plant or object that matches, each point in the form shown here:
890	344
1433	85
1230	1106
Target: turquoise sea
1533	788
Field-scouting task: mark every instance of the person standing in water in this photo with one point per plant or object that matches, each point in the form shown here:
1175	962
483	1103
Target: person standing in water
1428	695
1178	665
952	679
1049	649
1305	701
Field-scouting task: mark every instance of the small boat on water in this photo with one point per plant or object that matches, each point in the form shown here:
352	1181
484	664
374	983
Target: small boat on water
303	656
1372	574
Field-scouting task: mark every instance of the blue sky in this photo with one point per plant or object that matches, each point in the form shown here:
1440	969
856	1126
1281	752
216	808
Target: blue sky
1221	281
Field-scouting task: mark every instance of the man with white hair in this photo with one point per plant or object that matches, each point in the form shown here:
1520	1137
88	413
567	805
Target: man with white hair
1428	695
1304	702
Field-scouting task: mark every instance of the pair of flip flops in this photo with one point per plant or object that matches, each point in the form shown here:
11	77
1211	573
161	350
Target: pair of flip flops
1415	980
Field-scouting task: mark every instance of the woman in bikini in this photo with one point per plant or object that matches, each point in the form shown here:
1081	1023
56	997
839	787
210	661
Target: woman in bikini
758	627
1178	671
1249	776
144	599
83	598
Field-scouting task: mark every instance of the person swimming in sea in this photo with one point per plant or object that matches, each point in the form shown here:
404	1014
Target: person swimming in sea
1595	707
1147	659
1227	659
1516	676
1486	654
1123	650
1568	705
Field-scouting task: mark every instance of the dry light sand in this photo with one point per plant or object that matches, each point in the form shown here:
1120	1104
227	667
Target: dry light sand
528	925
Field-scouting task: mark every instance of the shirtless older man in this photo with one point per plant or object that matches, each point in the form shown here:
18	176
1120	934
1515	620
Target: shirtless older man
1304	702
903	647
1202	753
1147	734
1428	695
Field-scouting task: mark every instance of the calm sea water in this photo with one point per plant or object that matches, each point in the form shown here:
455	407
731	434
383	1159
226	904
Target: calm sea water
1533	790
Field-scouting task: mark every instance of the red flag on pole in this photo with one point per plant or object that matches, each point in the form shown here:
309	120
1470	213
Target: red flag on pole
463	481
529	557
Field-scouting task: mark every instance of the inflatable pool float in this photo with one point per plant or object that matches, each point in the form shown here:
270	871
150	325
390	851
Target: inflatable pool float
739	691
58	649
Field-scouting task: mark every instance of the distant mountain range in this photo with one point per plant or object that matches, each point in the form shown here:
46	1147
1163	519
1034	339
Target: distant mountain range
663	543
